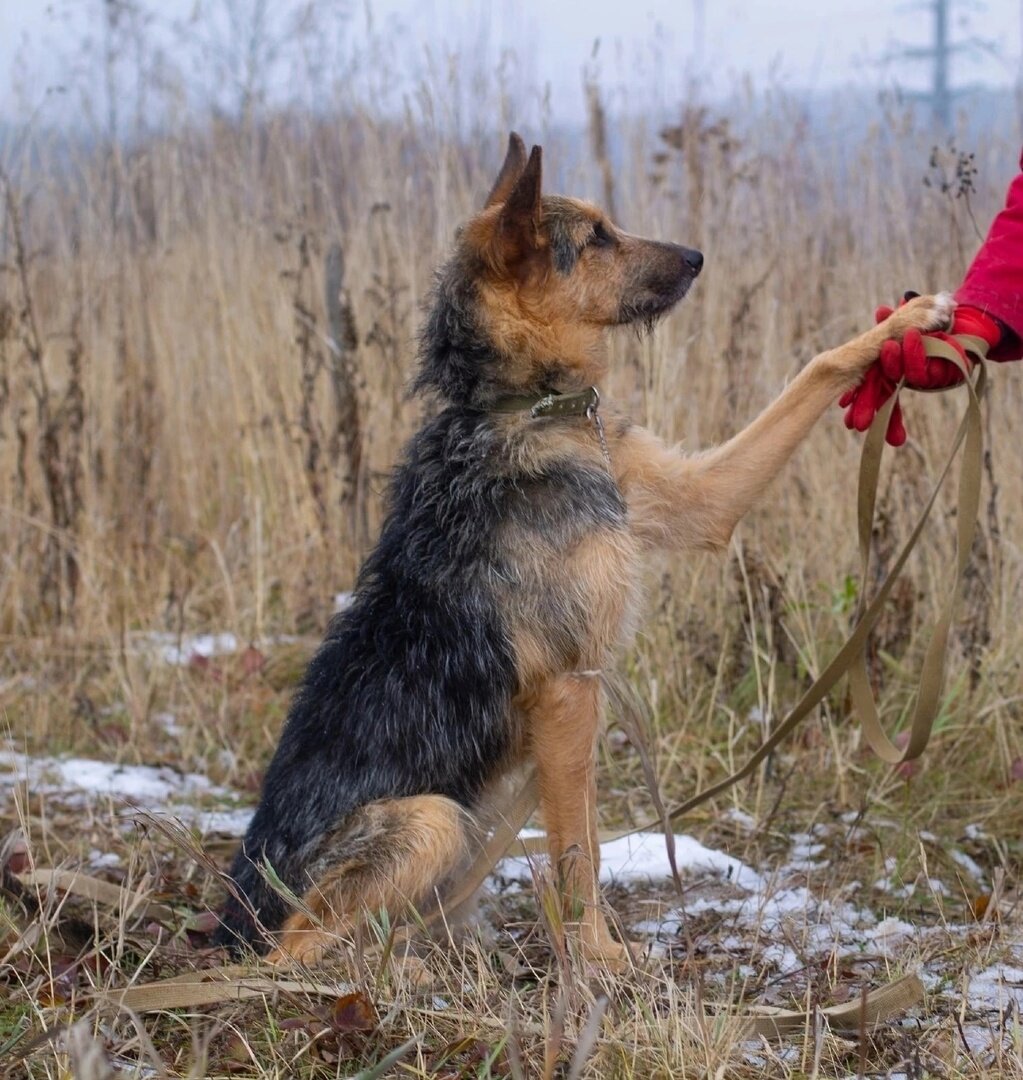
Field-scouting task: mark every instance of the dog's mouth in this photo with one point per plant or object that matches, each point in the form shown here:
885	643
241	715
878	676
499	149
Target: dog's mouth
665	281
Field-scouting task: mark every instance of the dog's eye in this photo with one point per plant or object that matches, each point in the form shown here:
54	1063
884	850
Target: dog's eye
600	236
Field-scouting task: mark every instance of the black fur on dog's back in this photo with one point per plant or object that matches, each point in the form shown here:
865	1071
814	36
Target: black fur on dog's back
410	691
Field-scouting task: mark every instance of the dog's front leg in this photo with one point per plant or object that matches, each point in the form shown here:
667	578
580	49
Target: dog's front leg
563	721
697	501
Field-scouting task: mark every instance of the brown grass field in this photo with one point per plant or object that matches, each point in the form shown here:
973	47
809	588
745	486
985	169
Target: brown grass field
183	450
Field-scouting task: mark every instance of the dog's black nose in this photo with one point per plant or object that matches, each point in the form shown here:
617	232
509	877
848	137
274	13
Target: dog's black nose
693	259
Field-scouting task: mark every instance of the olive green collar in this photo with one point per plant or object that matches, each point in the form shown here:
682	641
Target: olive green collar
547	406
543	406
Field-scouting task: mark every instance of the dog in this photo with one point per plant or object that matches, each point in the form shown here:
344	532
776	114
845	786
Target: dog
505	578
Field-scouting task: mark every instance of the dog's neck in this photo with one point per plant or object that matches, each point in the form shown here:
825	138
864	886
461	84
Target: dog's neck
473	366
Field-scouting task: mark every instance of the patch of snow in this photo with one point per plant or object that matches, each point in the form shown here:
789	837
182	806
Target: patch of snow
997	987
889	888
82	781
179	649
975	832
227	760
144	784
781	957
806	851
670	926
741	818
889	934
101	859
221	822
644	857
169	723
970	866
779	926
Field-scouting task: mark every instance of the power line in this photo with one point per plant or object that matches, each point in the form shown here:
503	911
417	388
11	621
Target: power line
939	53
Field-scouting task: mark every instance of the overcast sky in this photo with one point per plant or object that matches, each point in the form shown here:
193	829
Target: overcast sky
809	44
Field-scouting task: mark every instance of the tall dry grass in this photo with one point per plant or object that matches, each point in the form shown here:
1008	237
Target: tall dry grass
205	338
206	334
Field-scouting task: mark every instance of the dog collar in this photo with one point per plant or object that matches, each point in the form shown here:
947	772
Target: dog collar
547	406
543	406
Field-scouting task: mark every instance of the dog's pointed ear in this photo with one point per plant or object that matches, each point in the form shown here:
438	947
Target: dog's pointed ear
511	170
521	213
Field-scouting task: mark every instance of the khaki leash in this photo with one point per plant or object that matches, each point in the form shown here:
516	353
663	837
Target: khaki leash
852	657
932	675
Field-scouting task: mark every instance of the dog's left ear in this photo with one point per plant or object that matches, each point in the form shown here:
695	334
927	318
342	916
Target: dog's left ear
519	223
511	170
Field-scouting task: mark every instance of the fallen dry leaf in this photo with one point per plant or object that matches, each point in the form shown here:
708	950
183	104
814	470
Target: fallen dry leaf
252	661
353	1012
979	905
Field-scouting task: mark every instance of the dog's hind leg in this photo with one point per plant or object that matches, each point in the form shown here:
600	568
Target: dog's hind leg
387	856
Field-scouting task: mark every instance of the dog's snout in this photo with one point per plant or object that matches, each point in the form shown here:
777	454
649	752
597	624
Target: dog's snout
693	259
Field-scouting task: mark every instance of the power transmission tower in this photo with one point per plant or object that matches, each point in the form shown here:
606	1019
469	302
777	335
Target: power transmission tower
940	54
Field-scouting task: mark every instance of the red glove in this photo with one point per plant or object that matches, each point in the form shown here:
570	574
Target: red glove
907	359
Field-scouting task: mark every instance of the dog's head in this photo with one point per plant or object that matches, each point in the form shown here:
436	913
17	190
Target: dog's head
569	252
551	274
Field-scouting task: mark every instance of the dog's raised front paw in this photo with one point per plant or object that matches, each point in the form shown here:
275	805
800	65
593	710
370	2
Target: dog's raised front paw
922	313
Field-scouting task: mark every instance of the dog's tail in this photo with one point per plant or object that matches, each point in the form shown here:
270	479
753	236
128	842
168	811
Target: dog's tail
387	856
253	907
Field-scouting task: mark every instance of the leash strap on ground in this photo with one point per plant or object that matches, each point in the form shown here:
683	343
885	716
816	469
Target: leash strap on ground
862	1013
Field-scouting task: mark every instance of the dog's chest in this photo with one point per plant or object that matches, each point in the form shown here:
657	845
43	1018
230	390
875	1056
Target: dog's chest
568	570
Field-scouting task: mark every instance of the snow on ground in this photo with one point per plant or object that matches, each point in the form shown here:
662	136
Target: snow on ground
81	782
146	785
643	857
998	987
181	649
767	921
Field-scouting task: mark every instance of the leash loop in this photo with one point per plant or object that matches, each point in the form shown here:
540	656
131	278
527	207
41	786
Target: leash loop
932	674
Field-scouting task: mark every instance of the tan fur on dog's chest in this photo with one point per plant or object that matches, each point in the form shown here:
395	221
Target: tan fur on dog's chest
570	596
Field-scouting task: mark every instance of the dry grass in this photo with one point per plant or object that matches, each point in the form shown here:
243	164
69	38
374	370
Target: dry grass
176	448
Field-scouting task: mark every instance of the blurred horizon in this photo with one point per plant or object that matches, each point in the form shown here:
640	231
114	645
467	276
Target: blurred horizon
60	61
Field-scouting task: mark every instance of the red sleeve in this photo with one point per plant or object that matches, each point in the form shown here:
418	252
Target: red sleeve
994	282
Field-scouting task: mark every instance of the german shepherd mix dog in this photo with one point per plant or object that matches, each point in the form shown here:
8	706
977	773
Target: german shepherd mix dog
506	576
